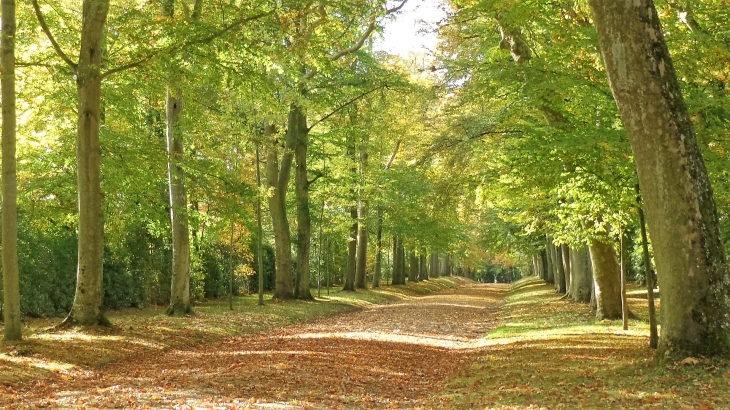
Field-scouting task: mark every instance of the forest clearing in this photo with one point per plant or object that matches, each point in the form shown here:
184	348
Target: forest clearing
450	344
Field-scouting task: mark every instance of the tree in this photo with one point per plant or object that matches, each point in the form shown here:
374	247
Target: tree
11	292
680	207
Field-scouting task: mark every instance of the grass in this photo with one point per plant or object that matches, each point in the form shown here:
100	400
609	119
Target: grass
148	331
551	353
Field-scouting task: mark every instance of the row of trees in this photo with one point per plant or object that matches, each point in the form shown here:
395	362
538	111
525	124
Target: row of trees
560	151
506	147
154	184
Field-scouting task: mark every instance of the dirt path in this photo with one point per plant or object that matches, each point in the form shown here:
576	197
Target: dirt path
386	356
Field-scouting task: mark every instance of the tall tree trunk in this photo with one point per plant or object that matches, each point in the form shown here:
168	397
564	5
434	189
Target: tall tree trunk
178	200
278	181
559	270
550	260
445	265
582	280
260	232
362	236
653	333
566	266
86	309
423	269
544	265
378	249
11	289
606	281
624	302
413	273
352	240
680	206
435	268
298	127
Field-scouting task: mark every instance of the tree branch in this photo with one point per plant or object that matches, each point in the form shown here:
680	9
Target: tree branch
54	43
345	105
392	156
185	45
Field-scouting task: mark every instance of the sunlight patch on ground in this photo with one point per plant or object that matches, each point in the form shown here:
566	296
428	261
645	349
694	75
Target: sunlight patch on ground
93	338
39	363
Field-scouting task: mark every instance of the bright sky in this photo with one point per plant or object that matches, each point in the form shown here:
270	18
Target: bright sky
402	35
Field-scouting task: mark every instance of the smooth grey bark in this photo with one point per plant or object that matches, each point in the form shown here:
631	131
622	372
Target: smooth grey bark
277	180
581	279
678	198
180	286
297	127
86	309
11	288
607	285
178	200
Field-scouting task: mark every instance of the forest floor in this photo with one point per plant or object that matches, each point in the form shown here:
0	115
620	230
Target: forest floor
428	345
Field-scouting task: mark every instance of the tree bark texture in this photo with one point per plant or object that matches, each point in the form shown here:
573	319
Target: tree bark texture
680	207
180	286
277	179
86	309
11	288
606	281
298	127
581	279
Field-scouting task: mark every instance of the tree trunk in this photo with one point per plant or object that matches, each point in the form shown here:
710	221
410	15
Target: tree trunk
423	268
653	334
362	236
413	273
86	309
378	250
581	278
300	133
680	206
550	261
278	181
445	265
11	292
435	268
544	265
559	270
606	281
566	266
259	238
624	302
